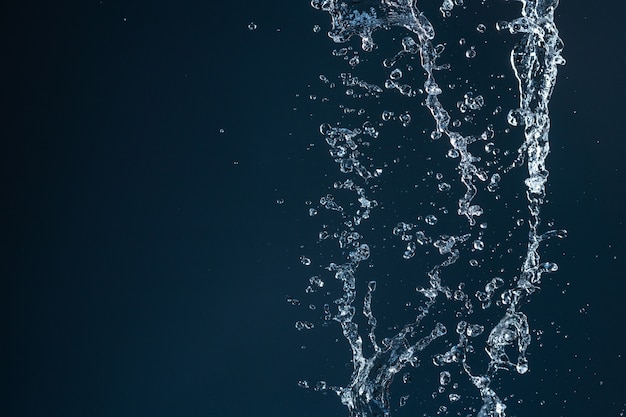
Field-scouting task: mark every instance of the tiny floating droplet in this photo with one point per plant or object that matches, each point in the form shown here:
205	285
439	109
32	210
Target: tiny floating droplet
444	378
431	220
396	74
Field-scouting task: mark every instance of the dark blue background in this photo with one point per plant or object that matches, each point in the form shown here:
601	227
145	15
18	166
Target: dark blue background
144	258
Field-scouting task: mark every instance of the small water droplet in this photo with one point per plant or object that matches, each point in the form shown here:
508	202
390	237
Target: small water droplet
431	219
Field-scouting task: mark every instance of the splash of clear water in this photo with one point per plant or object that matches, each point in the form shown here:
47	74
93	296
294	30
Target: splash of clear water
505	332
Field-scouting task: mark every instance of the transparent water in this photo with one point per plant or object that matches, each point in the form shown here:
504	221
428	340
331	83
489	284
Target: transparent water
431	233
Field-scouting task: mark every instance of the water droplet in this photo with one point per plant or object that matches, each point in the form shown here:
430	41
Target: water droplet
444	378
475	330
252	26
431	219
396	74
354	61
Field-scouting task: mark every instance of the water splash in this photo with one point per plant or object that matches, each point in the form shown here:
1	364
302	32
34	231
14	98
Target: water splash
442	300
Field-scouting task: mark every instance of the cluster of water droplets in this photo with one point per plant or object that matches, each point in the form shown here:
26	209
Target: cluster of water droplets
506	335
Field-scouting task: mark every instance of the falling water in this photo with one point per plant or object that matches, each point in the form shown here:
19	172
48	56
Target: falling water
441	215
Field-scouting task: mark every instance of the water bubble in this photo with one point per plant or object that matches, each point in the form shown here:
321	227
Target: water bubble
316	28
252	26
481	28
479	245
305	261
470	53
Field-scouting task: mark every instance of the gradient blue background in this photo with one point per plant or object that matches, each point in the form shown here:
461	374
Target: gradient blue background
144	258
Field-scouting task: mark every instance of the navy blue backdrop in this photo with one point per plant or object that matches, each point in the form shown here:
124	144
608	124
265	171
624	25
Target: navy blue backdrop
145	260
